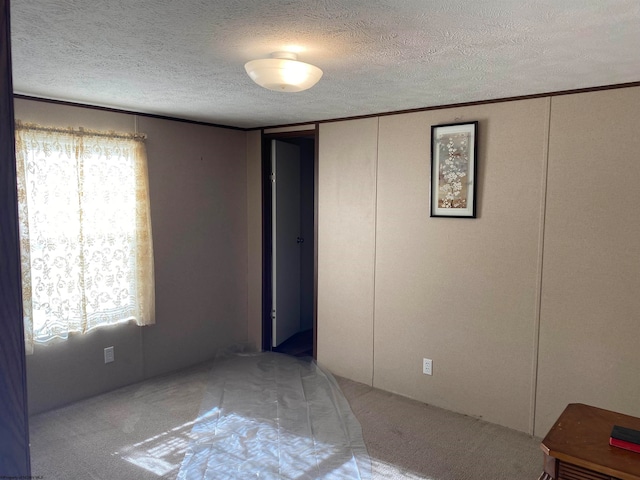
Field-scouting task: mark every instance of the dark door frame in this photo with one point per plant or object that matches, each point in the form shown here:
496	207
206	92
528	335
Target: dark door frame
14	420
267	216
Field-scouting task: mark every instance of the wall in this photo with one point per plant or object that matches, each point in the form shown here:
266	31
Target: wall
529	307
524	309
458	291
197	181
197	177
590	310
254	242
346	247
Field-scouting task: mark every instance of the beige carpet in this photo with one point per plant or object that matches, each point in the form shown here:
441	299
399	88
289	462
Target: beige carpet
143	431
410	440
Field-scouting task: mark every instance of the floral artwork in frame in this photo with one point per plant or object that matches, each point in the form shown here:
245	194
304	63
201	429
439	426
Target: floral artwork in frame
453	170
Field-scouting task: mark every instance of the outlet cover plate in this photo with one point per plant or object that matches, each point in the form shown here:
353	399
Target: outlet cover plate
427	366
109	355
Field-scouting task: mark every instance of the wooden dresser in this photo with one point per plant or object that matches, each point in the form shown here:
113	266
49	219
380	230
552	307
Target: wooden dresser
577	446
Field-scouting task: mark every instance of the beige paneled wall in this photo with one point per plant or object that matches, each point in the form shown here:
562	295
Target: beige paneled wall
554	254
589	332
198	188
198	185
461	291
254	243
346	247
530	306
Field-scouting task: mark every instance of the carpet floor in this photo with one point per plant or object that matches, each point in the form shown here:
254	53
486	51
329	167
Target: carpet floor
143	431
407	439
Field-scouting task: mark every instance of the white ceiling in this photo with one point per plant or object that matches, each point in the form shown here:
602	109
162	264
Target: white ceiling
185	58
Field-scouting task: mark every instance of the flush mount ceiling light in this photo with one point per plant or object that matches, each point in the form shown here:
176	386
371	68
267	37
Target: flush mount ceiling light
283	73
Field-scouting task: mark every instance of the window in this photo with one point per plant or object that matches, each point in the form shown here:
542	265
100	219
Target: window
85	231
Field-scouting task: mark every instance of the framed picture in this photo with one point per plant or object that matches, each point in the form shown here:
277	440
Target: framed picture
453	170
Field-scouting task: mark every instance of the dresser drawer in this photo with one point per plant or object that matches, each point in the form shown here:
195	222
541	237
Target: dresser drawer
567	471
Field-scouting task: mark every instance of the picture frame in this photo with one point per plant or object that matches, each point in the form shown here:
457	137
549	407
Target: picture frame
454	149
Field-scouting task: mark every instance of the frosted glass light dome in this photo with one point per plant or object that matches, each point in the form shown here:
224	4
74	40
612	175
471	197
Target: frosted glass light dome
283	73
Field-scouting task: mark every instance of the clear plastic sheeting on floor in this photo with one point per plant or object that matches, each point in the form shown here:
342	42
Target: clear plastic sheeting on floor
272	416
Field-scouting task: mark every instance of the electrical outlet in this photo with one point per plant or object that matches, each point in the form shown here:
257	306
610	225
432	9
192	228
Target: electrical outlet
427	366
109	355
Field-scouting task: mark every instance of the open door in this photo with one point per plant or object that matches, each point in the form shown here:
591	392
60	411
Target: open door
289	255
286	241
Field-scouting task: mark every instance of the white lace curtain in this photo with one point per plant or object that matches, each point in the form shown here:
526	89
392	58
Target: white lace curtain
85	231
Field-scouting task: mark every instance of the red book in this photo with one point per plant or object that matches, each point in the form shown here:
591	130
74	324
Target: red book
634	447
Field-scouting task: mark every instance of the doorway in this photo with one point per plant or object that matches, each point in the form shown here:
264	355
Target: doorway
289	243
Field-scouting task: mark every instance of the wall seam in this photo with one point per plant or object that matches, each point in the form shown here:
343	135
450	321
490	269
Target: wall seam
248	252
539	273
375	253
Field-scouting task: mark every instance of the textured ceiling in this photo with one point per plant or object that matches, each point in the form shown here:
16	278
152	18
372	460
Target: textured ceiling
185	58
